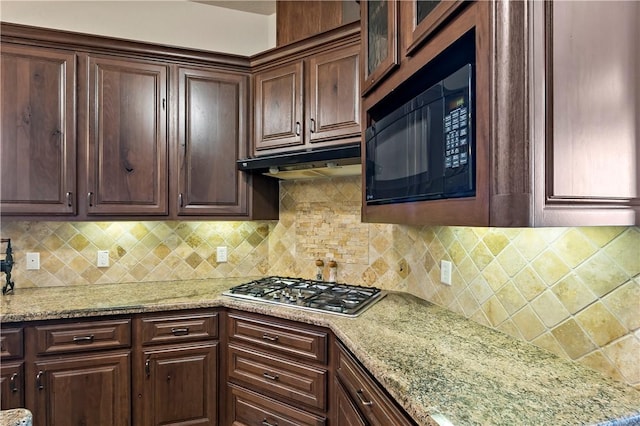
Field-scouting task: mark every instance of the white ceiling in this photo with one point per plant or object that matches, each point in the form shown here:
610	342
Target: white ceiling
262	7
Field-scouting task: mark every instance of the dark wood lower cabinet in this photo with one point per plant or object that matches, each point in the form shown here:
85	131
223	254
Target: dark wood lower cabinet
179	385
81	390
11	385
252	409
346	412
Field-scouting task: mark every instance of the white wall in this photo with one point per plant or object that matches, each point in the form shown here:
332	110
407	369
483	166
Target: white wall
175	23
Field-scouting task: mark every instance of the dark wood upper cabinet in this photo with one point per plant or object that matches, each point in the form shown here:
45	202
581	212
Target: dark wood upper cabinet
307	95
585	99
127	146
278	107
38	135
421	18
212	130
334	98
296	20
379	20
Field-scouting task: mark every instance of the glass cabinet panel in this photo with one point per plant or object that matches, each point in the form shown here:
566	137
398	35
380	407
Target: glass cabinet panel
380	37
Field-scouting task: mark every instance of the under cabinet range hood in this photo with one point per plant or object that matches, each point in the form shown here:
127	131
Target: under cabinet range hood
317	163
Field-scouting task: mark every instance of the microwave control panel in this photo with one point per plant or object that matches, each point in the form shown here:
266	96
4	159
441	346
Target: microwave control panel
456	134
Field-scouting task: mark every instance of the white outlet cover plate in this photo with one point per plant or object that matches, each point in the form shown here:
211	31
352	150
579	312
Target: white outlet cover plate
103	258
33	261
445	272
221	254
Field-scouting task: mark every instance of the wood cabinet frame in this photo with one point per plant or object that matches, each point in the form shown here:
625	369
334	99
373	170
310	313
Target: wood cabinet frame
370	78
416	34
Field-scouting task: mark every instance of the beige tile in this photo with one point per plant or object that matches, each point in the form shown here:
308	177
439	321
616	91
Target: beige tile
466	237
624	303
573	248
602	235
601	326
624	356
457	252
598	362
495	241
510	298
601	274
528	323
468	270
550	267
549	309
468	303
508	327
480	289
530	243
573	293
548	341
494	311
481	256
529	283
625	251
511	260
495	275
573	339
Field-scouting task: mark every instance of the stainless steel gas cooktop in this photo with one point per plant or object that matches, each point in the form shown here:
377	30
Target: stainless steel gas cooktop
322	296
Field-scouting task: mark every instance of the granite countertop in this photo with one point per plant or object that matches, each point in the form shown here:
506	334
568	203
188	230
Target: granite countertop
15	417
435	363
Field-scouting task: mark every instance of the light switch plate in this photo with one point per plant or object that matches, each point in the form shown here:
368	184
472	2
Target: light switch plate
445	272
33	261
103	258
221	254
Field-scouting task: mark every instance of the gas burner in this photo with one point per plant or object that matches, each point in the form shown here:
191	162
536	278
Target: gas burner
322	296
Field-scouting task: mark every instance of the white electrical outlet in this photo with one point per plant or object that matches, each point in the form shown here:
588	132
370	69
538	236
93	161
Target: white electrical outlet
445	272
221	254
33	261
103	258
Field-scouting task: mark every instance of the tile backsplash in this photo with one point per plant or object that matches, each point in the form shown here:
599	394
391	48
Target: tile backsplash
573	291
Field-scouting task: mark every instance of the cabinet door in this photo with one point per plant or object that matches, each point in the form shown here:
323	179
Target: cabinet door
127	147
334	98
586	100
346	412
38	137
11	385
82	390
278	107
212	136
179	385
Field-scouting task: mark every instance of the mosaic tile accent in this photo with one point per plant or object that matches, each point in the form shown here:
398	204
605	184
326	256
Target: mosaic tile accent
572	291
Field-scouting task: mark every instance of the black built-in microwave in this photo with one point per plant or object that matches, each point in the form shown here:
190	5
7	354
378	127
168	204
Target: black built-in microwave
425	149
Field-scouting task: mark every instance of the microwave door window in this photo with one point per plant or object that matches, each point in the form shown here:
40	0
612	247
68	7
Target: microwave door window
391	165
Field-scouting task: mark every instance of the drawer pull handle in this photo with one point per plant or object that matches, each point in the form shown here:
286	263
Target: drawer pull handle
265	336
39	383
270	376
265	422
147	367
180	331
83	339
297	128
362	400
12	383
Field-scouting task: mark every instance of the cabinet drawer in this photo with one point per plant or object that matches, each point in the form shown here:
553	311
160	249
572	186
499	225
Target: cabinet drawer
277	376
286	338
373	403
249	408
82	336
11	343
178	328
